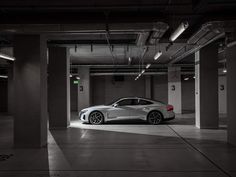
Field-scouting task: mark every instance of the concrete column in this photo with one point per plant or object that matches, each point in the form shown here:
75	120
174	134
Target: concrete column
231	94
206	87
84	87
174	88
10	100
30	91
59	87
148	87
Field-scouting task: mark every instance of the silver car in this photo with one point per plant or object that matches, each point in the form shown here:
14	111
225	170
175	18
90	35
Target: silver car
154	112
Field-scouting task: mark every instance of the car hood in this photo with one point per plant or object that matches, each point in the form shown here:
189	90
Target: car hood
98	107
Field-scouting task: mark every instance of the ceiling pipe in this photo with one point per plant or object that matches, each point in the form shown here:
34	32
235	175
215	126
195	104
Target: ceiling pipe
134	73
126	66
213	30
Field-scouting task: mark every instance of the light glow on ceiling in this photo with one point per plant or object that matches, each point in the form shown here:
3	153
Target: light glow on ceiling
6	57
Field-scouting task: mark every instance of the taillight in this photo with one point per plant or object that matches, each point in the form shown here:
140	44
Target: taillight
170	108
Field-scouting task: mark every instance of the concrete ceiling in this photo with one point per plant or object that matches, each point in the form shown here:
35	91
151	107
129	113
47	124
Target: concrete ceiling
101	54
66	22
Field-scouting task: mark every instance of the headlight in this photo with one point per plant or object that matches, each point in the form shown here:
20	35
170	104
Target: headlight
83	111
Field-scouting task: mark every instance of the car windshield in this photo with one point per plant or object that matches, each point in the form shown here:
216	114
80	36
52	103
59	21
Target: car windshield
111	103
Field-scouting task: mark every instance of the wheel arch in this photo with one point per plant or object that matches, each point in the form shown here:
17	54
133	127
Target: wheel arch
103	116
155	110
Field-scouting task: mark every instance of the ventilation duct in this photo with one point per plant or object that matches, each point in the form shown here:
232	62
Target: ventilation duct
208	33
158	31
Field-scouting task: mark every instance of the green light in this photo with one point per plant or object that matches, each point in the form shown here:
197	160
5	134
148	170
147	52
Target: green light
76	82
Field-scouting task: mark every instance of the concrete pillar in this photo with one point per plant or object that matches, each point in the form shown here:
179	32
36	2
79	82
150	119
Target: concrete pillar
231	94
206	87
84	87
222	94
174	88
148	87
10	100
30	91
59	87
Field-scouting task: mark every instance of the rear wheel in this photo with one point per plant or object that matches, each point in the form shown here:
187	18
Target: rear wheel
154	117
96	118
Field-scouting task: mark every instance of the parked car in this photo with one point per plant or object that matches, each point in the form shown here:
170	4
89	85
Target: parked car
154	112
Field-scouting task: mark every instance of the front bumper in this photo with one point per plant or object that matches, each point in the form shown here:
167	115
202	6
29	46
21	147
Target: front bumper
83	117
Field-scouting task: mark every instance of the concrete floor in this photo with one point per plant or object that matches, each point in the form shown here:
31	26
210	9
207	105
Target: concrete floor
133	148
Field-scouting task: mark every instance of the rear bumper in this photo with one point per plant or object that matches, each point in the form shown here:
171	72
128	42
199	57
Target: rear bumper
170	118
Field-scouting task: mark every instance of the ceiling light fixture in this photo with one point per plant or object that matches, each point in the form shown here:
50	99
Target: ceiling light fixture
7	57
70	75
148	65
181	28
78	78
224	69
143	71
3	76
158	54
186	78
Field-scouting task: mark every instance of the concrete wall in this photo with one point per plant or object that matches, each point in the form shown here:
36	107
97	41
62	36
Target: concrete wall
105	89
222	95
73	95
188	95
84	88
160	88
3	95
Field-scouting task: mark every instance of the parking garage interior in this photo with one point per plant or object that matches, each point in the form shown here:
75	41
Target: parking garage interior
59	57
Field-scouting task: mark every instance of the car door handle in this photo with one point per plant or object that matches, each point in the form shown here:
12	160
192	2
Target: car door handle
145	109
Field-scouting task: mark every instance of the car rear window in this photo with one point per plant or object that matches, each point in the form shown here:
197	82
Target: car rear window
144	102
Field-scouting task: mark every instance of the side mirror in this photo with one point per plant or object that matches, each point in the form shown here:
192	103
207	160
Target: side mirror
115	105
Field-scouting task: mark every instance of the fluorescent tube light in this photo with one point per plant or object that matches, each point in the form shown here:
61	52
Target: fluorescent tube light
186	78
181	28
148	66
7	57
158	54
143	71
3	76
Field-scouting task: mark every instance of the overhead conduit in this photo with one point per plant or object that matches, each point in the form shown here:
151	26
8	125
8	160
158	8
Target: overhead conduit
208	33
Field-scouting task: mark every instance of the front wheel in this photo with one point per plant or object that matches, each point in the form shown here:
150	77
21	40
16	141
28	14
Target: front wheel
154	117
96	118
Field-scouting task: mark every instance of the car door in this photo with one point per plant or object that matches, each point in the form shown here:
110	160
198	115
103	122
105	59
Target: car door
121	109
134	111
142	108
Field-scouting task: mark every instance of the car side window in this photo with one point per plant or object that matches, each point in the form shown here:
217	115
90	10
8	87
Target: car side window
144	102
135	102
125	102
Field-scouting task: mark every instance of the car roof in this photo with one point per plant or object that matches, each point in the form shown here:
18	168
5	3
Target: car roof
137	98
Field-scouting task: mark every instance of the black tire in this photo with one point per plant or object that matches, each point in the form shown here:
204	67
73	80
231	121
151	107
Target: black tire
154	117
96	118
